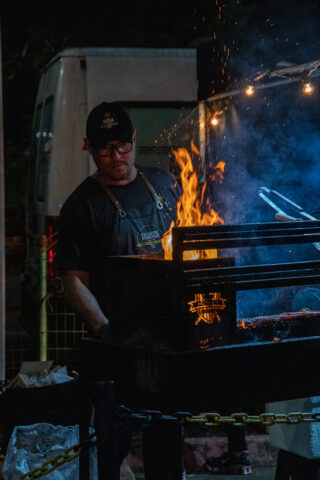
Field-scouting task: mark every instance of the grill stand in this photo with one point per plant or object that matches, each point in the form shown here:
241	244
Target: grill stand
294	467
305	353
111	437
103	402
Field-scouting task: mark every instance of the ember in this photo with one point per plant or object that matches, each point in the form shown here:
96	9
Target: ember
190	205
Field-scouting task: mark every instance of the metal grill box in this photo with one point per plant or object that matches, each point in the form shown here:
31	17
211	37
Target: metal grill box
148	297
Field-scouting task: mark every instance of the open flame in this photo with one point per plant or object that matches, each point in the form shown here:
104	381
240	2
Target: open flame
190	205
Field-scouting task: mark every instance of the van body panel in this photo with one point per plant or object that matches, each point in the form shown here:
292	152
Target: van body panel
46	90
69	164
142	78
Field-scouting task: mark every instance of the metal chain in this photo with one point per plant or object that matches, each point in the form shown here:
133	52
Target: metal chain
67	456
207	419
266	419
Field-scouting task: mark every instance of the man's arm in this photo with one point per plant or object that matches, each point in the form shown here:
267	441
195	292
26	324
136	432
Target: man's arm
82	301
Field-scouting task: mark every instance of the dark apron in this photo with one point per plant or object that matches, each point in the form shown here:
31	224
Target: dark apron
139	230
135	231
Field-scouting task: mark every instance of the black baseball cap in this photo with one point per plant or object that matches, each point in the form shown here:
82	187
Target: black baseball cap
108	122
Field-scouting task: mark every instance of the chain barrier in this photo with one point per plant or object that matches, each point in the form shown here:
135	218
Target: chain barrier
236	419
242	419
67	456
207	419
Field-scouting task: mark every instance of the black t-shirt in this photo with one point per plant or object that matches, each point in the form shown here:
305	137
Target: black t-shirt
90	228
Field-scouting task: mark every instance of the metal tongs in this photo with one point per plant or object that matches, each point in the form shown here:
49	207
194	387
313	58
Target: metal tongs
282	216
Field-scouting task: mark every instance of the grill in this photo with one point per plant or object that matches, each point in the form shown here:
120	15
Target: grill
182	348
162	306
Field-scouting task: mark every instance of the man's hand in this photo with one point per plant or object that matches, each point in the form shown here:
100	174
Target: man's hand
103	333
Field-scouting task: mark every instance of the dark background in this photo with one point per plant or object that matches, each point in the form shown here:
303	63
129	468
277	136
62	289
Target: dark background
258	33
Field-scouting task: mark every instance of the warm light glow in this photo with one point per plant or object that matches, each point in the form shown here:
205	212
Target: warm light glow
202	124
205	306
214	121
189	206
249	91
308	88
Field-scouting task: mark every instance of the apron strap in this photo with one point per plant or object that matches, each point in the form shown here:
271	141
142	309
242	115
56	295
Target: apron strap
151	190
117	204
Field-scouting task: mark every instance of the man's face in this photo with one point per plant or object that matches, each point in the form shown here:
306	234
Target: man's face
115	161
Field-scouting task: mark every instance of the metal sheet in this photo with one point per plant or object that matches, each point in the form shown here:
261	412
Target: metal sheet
221	377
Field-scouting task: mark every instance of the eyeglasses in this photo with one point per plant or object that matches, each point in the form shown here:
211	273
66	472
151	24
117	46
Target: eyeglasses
121	148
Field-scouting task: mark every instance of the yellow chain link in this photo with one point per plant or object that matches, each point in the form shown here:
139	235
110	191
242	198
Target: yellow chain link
53	463
266	419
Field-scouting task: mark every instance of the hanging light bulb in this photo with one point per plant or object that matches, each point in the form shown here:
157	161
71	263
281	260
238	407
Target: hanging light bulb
214	121
249	91
308	88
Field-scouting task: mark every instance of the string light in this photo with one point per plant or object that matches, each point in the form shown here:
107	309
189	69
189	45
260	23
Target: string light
308	88
249	91
214	121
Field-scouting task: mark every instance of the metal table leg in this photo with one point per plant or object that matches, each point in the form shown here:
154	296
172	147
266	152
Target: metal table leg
163	449
84	423
105	425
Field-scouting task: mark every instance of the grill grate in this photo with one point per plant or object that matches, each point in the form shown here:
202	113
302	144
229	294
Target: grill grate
184	376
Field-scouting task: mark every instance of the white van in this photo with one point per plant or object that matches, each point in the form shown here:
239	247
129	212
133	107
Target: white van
158	88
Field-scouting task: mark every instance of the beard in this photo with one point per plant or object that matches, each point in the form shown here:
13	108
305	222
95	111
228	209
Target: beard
117	173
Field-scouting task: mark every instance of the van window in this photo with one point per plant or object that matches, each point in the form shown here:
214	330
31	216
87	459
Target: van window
154	124
44	149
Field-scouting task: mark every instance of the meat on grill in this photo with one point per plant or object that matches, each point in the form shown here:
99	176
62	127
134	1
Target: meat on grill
275	320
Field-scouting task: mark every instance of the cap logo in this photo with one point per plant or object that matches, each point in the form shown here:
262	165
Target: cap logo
109	121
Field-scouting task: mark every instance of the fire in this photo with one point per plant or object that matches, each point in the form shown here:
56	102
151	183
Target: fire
190	205
243	324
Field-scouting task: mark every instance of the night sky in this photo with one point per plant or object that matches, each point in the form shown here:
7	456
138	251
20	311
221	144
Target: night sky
258	32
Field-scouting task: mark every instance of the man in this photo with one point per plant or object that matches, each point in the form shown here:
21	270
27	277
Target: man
120	209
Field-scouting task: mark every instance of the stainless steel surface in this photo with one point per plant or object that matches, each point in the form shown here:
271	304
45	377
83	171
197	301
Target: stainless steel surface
282	216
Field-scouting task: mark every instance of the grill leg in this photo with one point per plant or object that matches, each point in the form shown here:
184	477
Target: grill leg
294	467
105	426
84	429
163	449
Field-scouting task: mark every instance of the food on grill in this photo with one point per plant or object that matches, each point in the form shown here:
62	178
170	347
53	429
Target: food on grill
279	327
271	320
306	315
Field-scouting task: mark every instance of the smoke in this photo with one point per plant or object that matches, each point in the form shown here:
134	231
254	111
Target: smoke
271	139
